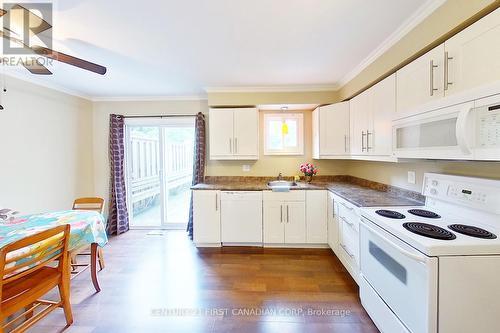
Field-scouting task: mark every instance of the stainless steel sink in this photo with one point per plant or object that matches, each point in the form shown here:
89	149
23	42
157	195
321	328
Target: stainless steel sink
281	183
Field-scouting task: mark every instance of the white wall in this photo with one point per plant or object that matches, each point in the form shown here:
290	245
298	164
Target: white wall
45	148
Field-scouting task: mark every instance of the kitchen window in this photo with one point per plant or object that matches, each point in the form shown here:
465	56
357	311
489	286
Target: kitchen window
284	134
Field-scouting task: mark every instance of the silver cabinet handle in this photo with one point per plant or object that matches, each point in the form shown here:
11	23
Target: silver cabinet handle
343	204
368	133
230	146
347	251
350	224
345	143
363	134
236	145
287	214
431	75
216	202
447	58
281	214
333	208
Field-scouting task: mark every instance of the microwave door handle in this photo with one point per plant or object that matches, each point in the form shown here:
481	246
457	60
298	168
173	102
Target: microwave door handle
461	130
399	248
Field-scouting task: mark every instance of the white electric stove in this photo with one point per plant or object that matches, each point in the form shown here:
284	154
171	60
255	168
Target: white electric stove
434	268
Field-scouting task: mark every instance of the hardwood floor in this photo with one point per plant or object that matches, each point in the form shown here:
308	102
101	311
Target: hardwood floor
162	283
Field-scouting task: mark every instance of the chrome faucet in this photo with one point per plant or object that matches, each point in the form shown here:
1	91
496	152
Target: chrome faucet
280	176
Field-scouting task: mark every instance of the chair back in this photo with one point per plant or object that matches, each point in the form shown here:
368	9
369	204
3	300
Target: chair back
92	203
31	253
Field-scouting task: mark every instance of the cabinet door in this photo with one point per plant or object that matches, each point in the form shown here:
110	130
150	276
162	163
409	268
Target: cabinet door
295	226
316	216
473	55
379	137
221	133
333	226
360	107
334	129
206	217
274	222
246	133
421	81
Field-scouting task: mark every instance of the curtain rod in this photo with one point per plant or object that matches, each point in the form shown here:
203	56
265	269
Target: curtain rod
164	116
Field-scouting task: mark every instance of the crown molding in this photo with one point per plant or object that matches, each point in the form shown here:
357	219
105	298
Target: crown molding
38	81
271	89
148	98
421	14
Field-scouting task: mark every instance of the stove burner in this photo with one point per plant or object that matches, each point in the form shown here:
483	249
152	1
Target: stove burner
390	214
472	231
429	230
424	213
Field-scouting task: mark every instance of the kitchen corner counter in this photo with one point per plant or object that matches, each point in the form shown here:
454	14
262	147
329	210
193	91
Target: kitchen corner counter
360	192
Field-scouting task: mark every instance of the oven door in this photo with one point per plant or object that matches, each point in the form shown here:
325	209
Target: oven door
405	279
441	134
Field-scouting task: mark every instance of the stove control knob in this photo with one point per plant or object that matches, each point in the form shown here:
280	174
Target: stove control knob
434	191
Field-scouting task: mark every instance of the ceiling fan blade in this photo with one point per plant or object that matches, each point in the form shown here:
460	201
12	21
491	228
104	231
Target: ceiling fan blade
70	60
37	24
36	68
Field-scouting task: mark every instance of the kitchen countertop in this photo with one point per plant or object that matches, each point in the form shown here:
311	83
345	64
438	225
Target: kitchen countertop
360	192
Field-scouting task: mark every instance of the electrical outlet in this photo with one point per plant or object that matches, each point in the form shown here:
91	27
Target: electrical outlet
246	168
411	177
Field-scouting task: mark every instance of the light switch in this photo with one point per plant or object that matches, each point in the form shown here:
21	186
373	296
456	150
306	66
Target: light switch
246	168
411	177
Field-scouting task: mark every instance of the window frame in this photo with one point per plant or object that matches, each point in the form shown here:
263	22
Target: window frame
295	151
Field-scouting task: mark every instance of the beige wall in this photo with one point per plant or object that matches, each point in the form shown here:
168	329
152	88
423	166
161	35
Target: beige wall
273	165
46	148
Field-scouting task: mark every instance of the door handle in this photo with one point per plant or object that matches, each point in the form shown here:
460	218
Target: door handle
281	214
447	59
346	250
216	202
230	146
363	140
345	143
368	133
350	224
333	208
236	145
461	130
287	214
431	76
343	204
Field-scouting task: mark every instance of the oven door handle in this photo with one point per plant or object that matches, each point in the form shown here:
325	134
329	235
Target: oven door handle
403	251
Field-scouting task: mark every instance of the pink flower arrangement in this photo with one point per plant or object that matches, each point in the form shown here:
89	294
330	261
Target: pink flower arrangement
308	169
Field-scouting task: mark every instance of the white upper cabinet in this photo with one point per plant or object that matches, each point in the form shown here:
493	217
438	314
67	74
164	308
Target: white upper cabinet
331	131
234	134
383	103
472	57
421	81
372	113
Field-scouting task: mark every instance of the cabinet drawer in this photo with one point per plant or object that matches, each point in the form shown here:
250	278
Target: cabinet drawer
296	195
349	214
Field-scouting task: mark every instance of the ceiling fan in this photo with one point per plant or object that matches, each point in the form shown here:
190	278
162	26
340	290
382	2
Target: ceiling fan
36	67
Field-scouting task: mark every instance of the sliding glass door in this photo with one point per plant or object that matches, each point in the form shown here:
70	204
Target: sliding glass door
159	171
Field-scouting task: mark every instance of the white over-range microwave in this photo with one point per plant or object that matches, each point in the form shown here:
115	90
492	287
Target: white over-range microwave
466	131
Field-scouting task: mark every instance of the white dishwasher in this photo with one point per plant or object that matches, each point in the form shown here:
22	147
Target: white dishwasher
241	217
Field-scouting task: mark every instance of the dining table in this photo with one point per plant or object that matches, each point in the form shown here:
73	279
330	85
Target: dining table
88	230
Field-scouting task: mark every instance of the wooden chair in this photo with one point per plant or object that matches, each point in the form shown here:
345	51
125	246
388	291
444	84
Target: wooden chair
94	204
28	273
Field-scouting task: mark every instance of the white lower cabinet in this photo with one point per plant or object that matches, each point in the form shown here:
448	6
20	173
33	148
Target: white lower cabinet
348	251
206	218
316	217
284	217
333	223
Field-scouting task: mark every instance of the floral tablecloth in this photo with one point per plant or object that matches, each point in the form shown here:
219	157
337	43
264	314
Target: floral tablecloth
87	227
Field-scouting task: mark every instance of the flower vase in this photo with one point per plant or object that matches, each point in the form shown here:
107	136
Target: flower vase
308	178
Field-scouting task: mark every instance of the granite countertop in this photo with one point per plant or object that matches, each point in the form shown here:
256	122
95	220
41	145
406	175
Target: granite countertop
360	192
